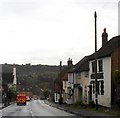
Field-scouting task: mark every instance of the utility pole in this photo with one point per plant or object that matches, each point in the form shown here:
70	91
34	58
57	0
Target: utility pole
96	91
60	100
73	84
60	80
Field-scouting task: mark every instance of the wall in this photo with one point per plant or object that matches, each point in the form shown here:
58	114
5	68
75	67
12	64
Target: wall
0	83
104	100
115	58
71	81
115	65
84	82
56	97
65	84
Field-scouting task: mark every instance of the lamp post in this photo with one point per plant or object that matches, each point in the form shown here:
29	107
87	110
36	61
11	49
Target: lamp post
96	92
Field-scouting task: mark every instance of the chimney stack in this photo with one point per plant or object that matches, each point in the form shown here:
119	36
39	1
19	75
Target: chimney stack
70	62
104	37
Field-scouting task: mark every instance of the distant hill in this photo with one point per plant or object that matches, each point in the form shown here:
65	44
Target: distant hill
34	77
36	69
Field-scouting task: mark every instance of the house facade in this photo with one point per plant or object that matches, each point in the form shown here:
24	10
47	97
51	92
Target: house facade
70	87
60	84
108	61
78	80
103	81
65	84
56	91
83	88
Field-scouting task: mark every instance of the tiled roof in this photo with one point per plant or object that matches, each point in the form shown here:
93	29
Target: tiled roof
62	75
107	49
65	70
82	65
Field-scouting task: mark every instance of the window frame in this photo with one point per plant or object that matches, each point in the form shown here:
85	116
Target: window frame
100	65
93	66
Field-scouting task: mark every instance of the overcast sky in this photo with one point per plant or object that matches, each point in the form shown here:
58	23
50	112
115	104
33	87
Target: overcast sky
50	31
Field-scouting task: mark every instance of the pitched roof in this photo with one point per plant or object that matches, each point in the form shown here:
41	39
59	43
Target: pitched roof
82	65
64	71
62	75
107	49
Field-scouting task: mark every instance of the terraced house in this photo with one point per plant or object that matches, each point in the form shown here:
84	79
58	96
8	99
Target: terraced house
78	82
108	64
60	84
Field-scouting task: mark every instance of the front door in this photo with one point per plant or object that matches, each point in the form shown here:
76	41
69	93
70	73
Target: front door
90	93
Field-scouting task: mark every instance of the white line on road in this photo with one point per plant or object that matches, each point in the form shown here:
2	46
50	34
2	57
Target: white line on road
0	113
31	113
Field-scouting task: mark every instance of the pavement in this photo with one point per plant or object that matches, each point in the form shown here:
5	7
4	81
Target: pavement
1	105
85	113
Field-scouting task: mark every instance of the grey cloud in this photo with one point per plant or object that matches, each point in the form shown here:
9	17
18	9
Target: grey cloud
17	8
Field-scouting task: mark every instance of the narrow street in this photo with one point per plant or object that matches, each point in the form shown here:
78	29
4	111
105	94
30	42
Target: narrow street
32	109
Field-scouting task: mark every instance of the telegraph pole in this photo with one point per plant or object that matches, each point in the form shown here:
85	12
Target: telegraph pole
96	91
60	100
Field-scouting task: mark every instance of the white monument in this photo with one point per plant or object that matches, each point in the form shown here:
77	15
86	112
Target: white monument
14	74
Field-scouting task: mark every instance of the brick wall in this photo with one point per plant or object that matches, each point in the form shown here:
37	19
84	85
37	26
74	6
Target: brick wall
115	60
115	65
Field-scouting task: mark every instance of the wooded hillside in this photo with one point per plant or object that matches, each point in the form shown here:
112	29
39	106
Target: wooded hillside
34	78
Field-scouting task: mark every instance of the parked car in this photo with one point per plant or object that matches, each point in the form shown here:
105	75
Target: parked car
28	98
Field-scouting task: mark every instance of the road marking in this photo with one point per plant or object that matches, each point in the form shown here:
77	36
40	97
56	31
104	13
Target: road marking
0	113
32	113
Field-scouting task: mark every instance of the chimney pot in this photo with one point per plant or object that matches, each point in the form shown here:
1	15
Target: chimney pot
69	62
104	37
